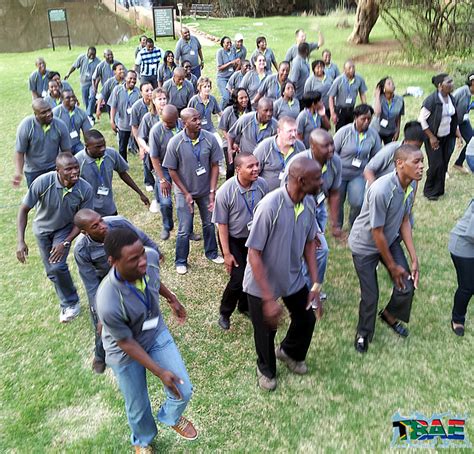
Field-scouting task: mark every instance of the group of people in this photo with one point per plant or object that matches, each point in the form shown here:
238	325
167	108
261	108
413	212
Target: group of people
286	176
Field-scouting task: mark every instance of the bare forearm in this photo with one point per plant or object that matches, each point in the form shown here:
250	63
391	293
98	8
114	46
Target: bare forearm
157	167
333	203
407	237
214	175
22	221
133	349
310	259
177	181
224	238
382	246
259	273
128	180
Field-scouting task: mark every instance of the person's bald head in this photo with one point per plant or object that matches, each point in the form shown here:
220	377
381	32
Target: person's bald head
349	69
169	116
321	144
40	65
91	223
84	217
186	33
408	161
64	159
179	74
305	175
264	110
109	56
192	120
42	111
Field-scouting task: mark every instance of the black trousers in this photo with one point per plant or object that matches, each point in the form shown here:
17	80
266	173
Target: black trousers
465	274
345	115
230	170
233	293
124	137
438	161
401	300
298	337
386	138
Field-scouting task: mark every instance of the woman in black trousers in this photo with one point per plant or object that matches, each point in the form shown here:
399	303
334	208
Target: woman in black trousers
439	122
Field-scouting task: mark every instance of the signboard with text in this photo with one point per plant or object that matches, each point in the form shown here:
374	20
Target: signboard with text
58	25
163	21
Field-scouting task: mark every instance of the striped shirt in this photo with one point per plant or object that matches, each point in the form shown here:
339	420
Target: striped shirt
149	61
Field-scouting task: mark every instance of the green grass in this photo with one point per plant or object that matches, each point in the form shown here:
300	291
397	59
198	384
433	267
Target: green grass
52	402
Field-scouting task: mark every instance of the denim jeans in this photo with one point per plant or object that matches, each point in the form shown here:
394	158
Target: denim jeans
148	177
32	176
131	378
354	189
185	228
85	92
197	71
58	273
166	203
465	129
470	162
225	95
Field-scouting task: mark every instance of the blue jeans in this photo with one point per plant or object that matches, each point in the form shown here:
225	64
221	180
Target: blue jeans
148	177
166	203
85	92
225	95
58	273
355	190
470	162
465	129
131	378
197	71
32	176
322	252
185	228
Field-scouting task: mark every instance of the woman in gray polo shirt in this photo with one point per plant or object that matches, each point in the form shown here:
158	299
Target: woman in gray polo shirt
461	247
252	80
287	105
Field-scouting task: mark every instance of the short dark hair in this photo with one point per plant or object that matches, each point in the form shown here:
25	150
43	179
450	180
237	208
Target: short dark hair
283	87
131	71
223	39
363	109
303	48
310	98
260	39
93	134
403	150
316	63
438	79
116	65
239	157
413	132
150	41
117	239
92	48
53	74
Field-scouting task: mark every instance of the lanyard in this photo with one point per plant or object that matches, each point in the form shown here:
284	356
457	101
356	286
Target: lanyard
100	172
129	95
197	153
281	159
143	297
359	143
249	208
71	118
259	134
389	107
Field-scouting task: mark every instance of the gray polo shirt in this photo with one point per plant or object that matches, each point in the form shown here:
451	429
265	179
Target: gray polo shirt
235	205
292	52
206	111
86	68
193	81
320	85
159	138
235	81
299	74
188	159
75	121
122	311
187	50
352	147
39	83
100	178
461	239
148	121
248	133
108	88
53	102
223	57
55	207
281	236
92	261
252	82
281	108
345	93
385	205
40	146
386	124
226	122
305	123
179	97
123	99
104	71
331	71
382	163
269	58
240	53
270	87
139	109
272	162
165	72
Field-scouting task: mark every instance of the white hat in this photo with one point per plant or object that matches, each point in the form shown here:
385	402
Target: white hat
239	37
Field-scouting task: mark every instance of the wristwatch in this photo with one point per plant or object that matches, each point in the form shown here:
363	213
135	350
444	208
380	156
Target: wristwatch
66	244
212	190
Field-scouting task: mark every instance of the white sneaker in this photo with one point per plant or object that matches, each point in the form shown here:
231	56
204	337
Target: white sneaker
149	188
154	206
69	313
181	269
219	260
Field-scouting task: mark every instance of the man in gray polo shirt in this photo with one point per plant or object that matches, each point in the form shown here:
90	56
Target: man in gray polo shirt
192	158
38	81
103	71
121	102
343	95
179	89
93	265
251	128
56	197
97	164
273	153
233	212
300	36
39	138
300	71
283	231
376	236
136	338
189	48
74	118
108	87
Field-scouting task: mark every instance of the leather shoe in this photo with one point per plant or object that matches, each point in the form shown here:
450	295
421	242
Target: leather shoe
98	366
459	331
361	344
224	322
397	326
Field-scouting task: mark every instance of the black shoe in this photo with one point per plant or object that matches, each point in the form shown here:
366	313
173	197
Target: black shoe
195	237
98	366
432	198
397	326
459	331
224	322
361	344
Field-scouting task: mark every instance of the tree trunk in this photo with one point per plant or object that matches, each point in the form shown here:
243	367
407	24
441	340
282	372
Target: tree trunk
366	16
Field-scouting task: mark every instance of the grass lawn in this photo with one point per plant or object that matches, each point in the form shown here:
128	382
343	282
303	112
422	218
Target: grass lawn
51	400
